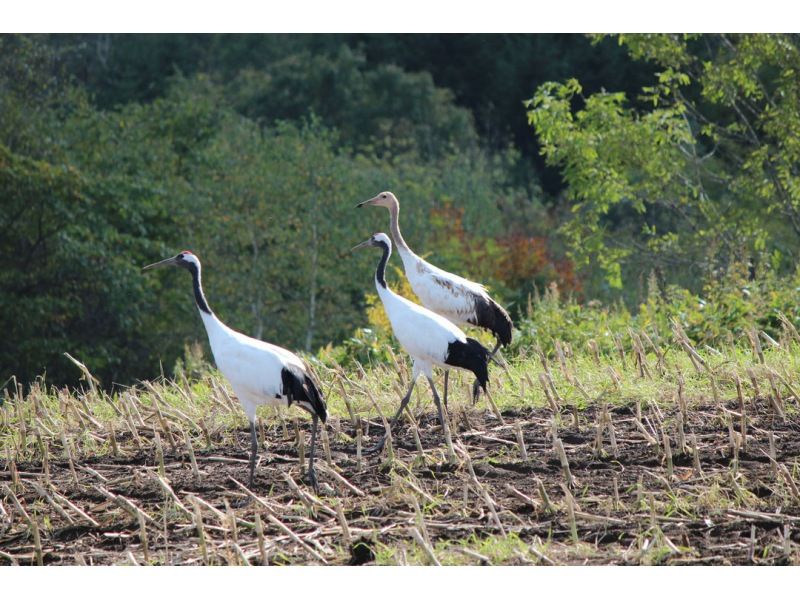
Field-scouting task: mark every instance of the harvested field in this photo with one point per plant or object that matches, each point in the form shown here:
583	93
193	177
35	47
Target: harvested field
620	502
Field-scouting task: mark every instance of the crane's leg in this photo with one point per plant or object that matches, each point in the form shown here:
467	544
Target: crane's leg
253	451
476	388
446	378
311	475
442	413
378	447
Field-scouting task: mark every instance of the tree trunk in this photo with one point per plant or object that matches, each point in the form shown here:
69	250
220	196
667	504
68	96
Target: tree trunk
312	289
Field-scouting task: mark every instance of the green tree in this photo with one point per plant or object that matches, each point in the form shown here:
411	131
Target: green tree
696	180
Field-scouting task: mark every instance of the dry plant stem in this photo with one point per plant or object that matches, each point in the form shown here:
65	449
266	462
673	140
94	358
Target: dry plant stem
261	543
424	545
58	509
326	446
45	452
201	533
37	542
359	443
275	521
301	448
143	538
523	451
159	453
562	455
775	397
68	454
169	492
347	402
668	453
12	465
696	457
420	519
417	441
192	459
681	434
495	410
570	502
113	440
345	482
742	416
754	383
592	344
547	394
772	454
346	537
756	343
525	498
10	494
790	481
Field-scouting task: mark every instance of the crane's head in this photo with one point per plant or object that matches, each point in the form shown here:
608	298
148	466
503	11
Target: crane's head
385	199
377	240
185	259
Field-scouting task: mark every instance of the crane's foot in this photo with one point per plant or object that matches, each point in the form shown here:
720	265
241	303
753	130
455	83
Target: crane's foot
311	479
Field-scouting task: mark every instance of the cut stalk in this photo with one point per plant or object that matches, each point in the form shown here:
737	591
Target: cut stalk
343	523
37	542
261	543
523	451
742	416
562	455
143	538
201	532
192	459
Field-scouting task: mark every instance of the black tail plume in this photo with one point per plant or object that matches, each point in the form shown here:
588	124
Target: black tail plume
302	388
472	356
490	315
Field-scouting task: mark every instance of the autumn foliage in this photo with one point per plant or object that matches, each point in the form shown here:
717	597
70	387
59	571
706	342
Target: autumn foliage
514	262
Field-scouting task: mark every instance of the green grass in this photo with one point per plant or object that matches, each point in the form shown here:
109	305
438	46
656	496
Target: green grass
204	411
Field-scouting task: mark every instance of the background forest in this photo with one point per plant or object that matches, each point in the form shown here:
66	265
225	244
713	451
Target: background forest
588	180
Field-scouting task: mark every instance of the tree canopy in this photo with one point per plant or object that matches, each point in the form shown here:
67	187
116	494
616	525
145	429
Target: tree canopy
671	158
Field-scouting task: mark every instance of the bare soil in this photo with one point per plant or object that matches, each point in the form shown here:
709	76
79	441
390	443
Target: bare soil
736	509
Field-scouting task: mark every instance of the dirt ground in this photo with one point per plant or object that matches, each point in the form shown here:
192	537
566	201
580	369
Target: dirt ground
623	508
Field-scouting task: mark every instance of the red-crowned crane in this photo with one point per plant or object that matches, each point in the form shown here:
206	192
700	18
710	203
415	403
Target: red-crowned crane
428	338
258	372
459	300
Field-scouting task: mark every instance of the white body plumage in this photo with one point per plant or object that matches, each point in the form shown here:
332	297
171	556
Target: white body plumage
252	367
447	294
425	335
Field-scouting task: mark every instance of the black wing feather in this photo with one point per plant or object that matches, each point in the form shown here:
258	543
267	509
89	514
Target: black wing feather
472	356
490	315
302	388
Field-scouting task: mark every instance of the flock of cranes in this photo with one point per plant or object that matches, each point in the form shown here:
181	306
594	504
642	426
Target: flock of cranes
264	374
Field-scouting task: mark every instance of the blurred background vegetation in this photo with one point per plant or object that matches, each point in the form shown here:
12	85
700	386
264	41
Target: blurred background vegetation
590	181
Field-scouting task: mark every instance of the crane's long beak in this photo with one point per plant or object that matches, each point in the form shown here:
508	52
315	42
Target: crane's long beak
367	243
170	261
367	202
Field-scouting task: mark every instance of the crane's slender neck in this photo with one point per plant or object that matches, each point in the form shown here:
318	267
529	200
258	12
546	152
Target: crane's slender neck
394	214
199	297
380	273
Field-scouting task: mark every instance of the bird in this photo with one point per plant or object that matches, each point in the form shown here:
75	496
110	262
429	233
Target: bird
459	300
430	339
259	373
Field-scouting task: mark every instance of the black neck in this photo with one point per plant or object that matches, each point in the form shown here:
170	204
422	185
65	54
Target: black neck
380	273
199	298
